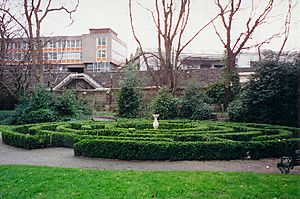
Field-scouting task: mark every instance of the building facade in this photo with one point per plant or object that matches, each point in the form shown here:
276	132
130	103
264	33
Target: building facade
244	62
197	61
99	51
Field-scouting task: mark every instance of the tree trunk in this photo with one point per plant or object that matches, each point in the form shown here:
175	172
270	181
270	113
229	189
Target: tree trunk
39	61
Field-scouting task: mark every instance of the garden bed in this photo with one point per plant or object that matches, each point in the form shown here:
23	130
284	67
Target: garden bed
174	140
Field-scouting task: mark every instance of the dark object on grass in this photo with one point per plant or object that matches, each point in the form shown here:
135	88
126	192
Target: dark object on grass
288	163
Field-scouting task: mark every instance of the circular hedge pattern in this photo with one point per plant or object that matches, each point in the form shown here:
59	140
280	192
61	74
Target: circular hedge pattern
174	140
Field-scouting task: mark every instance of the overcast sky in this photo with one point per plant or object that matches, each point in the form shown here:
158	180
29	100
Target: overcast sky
114	14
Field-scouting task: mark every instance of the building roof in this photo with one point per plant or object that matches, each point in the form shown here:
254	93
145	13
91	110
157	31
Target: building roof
102	30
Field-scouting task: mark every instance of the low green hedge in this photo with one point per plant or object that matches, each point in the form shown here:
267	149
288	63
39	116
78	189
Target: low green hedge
129	140
272	148
164	125
33	137
226	150
25	141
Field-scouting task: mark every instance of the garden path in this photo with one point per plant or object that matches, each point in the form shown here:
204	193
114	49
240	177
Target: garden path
64	157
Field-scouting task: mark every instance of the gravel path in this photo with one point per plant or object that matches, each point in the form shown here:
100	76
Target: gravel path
64	157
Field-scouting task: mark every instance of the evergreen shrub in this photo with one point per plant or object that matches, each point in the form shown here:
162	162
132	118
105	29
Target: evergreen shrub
166	105
271	96
129	98
193	104
41	105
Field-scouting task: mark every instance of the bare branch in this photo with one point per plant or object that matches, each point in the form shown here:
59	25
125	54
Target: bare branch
222	12
62	8
257	22
139	43
218	34
152	14
287	26
199	31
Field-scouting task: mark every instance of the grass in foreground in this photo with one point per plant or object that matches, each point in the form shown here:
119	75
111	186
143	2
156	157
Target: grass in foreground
48	182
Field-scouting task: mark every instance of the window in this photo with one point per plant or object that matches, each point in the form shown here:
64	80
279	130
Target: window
73	43
99	67
51	44
69	55
19	56
59	55
219	66
68	44
101	41
50	56
58	44
101	53
9	56
89	66
22	45
205	65
63	44
54	56
78	43
45	56
63	68
76	70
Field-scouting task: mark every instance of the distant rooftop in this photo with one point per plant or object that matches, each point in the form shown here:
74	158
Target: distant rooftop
102	30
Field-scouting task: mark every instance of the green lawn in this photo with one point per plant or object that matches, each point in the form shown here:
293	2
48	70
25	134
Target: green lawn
48	182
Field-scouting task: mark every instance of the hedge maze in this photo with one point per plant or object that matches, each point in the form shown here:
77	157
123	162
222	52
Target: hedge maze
174	140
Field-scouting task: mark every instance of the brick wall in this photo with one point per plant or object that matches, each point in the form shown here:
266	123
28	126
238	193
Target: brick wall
101	99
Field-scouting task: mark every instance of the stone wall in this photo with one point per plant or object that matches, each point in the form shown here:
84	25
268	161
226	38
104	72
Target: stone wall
106	100
112	79
102	100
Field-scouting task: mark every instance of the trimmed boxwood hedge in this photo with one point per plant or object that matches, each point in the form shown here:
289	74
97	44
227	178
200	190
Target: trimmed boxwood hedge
175	140
226	150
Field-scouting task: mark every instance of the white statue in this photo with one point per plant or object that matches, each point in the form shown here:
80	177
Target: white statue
155	123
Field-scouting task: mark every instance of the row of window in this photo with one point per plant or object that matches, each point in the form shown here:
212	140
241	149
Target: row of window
62	56
48	44
98	67
47	56
17	45
64	44
95	67
20	56
102	41
56	67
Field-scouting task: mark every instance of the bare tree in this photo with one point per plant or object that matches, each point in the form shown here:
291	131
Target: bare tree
14	74
35	12
235	39
257	17
170	20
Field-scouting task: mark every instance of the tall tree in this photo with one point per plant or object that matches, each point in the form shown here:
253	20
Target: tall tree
170	18
34	13
234	39
13	77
